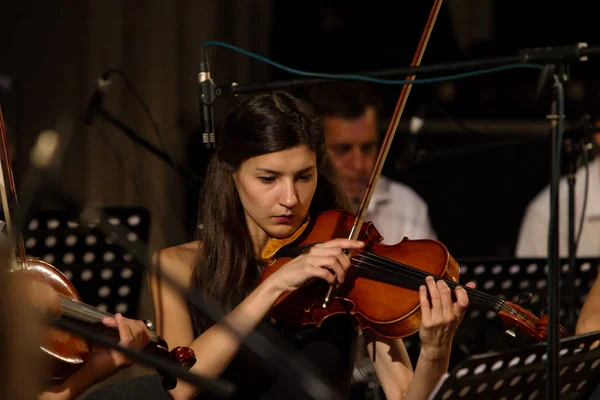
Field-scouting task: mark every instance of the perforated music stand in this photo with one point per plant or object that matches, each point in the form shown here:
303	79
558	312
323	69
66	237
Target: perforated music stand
507	279
104	274
521	373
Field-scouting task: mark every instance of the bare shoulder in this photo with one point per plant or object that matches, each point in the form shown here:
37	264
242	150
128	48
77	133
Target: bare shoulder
178	260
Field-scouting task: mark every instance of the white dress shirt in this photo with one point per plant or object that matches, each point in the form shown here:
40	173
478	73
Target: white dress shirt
533	237
397	211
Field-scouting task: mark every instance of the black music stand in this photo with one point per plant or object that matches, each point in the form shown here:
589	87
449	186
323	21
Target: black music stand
508	279
520	373
104	274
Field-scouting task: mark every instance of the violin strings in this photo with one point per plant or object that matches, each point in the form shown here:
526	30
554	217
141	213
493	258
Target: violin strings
87	313
419	280
417	276
81	310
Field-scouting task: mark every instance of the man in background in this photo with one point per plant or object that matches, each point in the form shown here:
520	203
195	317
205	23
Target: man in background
533	235
350	112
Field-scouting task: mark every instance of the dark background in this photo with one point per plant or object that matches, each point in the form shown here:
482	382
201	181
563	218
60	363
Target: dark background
476	199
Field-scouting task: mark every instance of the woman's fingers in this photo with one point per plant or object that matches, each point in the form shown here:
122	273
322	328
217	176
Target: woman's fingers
447	311
336	252
109	322
435	298
125	332
327	267
130	331
342	244
462	299
141	335
439	307
425	306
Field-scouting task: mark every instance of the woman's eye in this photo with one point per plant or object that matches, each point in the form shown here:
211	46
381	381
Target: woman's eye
305	177
267	179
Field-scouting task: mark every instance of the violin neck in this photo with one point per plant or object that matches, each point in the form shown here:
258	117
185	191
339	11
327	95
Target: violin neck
82	312
411	278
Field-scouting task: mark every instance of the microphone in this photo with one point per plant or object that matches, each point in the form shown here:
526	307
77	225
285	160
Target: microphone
206	93
97	97
409	151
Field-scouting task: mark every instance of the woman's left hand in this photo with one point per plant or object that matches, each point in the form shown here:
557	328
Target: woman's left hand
132	333
440	316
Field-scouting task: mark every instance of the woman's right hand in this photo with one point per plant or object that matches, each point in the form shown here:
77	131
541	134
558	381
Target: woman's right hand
323	260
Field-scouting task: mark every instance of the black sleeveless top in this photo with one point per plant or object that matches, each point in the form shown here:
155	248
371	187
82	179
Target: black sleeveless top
330	350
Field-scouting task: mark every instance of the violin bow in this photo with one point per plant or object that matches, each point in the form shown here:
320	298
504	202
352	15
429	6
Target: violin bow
8	194
391	130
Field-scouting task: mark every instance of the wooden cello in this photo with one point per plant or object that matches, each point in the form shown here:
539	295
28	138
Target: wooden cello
64	352
380	290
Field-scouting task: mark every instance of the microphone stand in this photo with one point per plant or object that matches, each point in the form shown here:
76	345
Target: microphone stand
189	176
557	117
570	152
572	148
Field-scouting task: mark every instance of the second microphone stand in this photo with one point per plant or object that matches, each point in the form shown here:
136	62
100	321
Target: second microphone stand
574	147
557	118
189	176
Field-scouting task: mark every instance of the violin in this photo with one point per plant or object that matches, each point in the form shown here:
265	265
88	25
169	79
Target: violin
63	351
380	290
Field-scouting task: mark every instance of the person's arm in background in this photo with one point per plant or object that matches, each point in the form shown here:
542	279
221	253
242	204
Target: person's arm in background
589	318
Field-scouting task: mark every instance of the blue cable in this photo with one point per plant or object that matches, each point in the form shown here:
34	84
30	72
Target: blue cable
367	78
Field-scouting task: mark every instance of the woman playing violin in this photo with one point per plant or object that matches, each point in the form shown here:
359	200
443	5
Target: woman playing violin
271	172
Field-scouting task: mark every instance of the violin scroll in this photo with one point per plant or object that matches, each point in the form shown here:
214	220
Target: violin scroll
184	356
181	355
517	318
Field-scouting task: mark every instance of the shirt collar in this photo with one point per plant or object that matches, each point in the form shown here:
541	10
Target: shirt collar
381	194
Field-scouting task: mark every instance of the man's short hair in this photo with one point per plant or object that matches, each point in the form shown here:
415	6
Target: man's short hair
344	99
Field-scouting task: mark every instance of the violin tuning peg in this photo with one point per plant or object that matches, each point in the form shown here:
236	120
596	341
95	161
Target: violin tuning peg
525	297
149	324
510	335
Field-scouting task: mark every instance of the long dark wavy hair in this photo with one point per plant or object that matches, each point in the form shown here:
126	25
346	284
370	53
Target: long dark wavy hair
226	269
